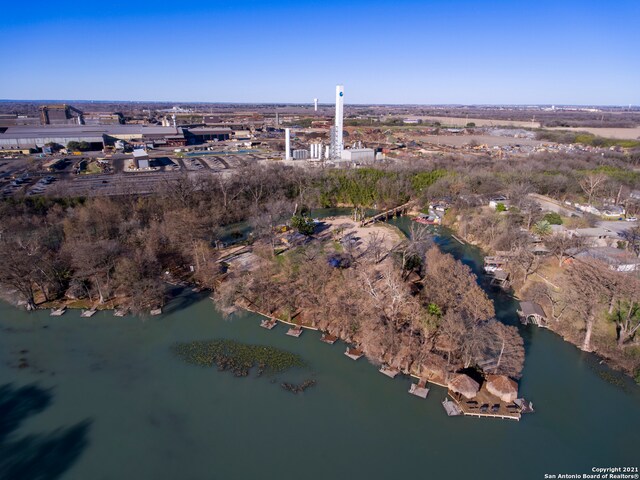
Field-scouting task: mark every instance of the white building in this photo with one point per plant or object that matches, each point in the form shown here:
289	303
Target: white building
359	155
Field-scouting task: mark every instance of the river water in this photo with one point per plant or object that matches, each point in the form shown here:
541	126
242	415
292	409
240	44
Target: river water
103	398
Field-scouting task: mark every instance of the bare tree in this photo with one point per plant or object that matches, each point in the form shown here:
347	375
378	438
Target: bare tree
588	291
563	246
592	184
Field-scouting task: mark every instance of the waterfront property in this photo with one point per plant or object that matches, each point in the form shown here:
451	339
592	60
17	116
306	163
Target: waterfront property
353	353
328	338
294	331
388	371
531	312
269	324
420	389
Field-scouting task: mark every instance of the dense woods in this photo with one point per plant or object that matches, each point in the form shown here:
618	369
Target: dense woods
99	250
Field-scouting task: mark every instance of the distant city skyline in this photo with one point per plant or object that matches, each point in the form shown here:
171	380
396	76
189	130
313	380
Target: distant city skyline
404	52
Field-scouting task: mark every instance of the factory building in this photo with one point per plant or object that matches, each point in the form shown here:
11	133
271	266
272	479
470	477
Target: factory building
140	158
103	118
60	115
36	137
208	134
359	155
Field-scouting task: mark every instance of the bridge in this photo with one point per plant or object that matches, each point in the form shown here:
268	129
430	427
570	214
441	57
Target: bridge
392	212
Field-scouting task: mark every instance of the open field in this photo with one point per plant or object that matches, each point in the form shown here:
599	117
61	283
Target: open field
490	140
618	133
480	122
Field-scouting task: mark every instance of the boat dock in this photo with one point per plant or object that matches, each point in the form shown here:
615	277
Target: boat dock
389	372
451	407
268	323
156	311
353	353
88	313
294	332
486	405
418	390
58	312
119	313
327	338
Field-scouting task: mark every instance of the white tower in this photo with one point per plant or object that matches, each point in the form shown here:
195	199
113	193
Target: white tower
287	143
315	104
338	146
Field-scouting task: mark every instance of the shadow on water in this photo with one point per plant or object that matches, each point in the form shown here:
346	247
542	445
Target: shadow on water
182	298
36	456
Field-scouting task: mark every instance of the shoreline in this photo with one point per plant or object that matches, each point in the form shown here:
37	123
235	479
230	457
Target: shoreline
516	294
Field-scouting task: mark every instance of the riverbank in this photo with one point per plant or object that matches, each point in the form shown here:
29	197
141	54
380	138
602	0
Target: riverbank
570	330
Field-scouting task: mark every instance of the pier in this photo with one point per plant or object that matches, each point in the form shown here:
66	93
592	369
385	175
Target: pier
419	389
294	332
389	372
88	313
452	408
58	312
329	339
353	353
486	405
268	323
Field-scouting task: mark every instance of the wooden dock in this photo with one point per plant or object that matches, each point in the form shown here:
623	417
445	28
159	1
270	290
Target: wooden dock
119	313
418	391
485	405
389	372
88	313
294	332
353	353
451	407
156	311
268	324
58	312
327	338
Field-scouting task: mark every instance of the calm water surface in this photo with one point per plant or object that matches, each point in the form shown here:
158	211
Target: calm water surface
103	398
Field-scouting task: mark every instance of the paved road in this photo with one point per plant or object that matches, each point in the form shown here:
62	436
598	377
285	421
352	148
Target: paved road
617	226
549	204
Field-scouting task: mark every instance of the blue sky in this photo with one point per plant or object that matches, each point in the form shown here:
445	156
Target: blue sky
425	52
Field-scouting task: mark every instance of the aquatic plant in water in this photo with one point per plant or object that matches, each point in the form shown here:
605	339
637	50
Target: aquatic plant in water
238	357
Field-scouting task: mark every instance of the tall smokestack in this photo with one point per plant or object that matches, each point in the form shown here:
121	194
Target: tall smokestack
287	143
339	114
315	104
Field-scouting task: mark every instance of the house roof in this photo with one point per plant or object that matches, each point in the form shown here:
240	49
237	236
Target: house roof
610	255
531	308
464	385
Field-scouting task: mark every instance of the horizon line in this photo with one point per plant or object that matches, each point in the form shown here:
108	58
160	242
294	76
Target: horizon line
8	100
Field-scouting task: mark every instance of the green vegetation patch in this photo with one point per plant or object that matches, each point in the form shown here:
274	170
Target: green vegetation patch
565	136
237	357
